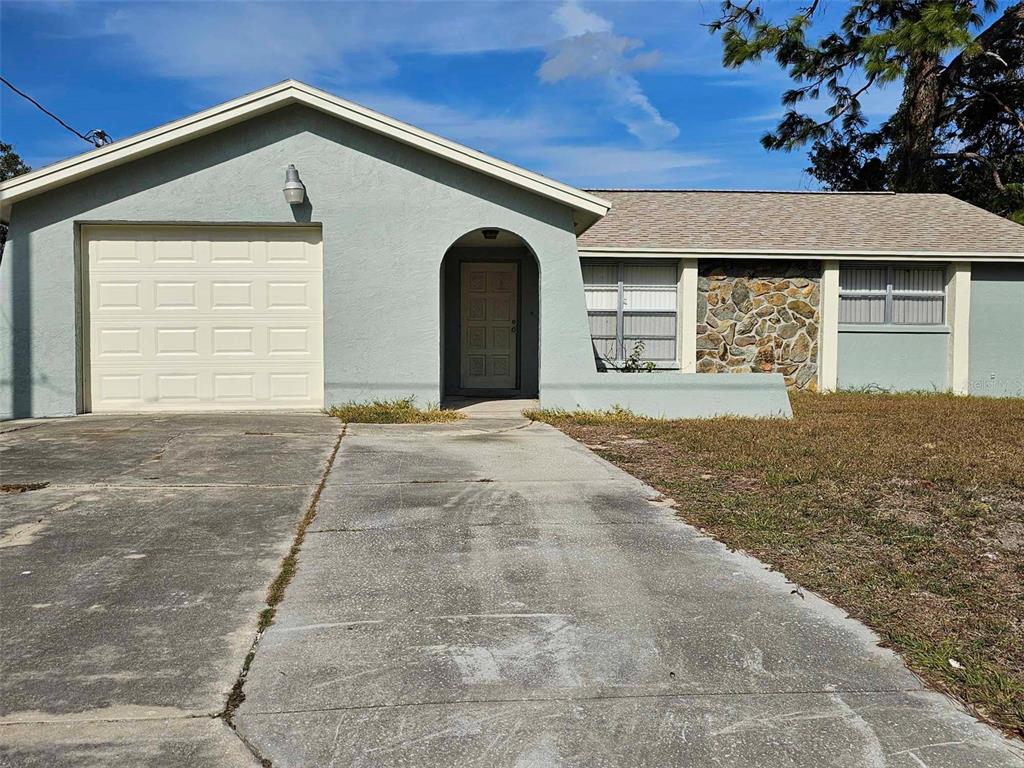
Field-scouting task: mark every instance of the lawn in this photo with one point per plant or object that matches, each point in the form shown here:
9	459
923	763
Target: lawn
906	511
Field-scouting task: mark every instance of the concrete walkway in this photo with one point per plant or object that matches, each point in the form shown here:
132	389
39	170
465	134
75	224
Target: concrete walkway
491	593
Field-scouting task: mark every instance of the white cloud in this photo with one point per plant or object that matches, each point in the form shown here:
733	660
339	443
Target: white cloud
594	55
553	144
772	116
591	51
600	165
482	130
229	46
574	20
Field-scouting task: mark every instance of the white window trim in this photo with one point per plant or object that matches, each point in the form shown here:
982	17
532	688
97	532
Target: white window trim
890	293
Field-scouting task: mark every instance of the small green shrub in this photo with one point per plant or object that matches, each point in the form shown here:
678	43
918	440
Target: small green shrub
635	362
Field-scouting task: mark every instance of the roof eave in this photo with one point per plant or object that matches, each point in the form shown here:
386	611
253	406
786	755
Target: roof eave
804	253
589	208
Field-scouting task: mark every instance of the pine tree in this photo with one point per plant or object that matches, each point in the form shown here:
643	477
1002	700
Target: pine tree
11	164
960	125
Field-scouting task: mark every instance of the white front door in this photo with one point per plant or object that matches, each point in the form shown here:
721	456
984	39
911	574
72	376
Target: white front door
489	318
199	318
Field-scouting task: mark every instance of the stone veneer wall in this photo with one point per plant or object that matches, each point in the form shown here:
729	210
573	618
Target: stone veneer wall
760	316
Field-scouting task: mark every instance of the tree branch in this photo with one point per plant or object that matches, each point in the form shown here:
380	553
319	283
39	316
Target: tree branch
1003	28
996	177
849	102
1006	108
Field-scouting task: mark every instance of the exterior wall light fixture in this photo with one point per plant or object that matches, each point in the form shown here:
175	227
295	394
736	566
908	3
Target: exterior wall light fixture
294	190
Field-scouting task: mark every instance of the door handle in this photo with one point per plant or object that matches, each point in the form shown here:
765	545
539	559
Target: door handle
513	327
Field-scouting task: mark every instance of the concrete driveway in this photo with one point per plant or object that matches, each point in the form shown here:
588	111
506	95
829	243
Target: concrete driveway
487	593
492	593
131	584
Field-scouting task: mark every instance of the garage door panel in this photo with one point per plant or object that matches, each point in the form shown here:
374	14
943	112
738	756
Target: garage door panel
120	388
118	295
162	295
227	338
226	296
201	318
170	251
175	295
175	342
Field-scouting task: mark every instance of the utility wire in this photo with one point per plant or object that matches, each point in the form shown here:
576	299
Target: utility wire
96	137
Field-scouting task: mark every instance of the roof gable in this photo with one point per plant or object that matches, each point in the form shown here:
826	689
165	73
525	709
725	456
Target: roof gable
587	208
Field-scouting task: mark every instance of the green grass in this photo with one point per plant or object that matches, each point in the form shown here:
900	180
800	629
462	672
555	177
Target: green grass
905	510
401	411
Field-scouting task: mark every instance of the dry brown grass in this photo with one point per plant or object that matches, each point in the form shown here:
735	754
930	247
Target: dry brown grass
403	411
905	510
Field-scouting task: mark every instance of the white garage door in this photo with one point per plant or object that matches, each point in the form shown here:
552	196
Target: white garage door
203	318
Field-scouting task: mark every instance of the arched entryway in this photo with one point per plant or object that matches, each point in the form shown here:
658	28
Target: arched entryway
490	316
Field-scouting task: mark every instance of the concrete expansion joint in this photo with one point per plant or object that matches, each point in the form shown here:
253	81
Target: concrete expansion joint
141	486
257	755
599	697
508	429
275	594
12	430
440	526
72	720
558	481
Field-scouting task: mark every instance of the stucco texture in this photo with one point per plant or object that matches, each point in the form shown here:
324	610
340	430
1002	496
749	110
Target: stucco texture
996	357
894	360
388	211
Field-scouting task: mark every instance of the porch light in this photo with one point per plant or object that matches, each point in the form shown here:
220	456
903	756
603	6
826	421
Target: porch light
491	234
294	190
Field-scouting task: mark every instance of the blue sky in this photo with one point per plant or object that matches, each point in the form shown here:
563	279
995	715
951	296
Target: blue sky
598	94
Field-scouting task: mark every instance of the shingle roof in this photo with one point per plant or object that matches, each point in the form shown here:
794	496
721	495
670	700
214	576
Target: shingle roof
801	221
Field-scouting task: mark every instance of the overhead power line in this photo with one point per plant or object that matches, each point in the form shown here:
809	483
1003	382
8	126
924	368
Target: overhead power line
96	137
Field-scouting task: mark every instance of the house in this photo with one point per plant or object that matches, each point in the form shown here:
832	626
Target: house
168	272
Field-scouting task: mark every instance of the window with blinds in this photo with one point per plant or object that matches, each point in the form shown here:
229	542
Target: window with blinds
629	302
892	295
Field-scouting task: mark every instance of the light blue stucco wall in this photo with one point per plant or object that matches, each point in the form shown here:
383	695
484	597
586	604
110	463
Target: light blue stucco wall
675	395
996	352
388	213
893	360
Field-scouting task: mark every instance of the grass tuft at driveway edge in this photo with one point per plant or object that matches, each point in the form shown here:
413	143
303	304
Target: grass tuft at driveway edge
400	411
276	590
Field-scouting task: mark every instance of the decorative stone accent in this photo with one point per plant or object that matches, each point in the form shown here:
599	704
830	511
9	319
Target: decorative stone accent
760	316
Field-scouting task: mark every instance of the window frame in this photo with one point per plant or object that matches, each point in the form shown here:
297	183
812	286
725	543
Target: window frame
620	312
890	293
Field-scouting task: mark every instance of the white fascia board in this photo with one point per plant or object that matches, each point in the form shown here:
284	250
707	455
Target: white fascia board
142	144
642	253
260	102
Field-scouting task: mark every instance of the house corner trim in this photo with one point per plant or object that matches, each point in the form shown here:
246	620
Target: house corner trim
828	346
959	319
687	317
